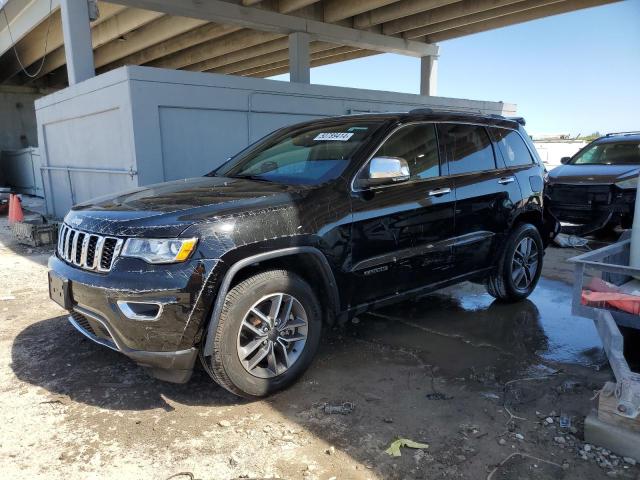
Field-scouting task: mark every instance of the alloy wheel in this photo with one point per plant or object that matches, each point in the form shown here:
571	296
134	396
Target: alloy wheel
524	266
272	335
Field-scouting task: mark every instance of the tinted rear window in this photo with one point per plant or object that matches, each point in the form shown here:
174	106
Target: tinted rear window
512	146
467	147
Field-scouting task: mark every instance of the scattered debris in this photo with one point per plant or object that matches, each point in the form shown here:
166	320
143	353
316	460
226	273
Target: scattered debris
570	241
438	396
224	423
396	445
344	409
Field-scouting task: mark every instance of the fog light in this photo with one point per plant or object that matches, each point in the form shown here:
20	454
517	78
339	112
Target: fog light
140	310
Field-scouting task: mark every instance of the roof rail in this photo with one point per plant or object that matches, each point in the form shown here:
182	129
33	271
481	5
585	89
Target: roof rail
442	110
637	132
520	120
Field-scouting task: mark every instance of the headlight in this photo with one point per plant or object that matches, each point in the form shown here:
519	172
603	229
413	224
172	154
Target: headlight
159	250
628	183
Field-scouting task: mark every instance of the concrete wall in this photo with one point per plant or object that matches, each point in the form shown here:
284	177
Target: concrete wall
166	124
18	117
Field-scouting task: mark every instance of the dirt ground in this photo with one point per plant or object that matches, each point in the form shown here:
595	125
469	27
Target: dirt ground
485	385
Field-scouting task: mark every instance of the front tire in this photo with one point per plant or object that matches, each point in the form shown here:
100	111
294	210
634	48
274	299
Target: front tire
268	334
519	265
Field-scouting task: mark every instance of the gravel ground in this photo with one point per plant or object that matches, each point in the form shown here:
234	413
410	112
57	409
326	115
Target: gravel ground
485	386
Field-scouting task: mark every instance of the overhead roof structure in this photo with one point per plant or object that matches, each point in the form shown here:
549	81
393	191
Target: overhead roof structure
254	38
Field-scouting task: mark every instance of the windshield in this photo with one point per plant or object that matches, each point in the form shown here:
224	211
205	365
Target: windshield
622	153
309	155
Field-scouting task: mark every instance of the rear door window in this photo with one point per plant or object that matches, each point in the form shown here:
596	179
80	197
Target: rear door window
512	147
467	147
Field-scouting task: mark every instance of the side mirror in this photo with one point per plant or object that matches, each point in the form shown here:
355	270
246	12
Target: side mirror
565	160
385	170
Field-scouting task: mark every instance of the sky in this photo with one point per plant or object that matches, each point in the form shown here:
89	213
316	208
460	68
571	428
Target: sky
574	73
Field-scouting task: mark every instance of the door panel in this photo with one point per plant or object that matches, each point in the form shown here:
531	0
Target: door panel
484	195
401	233
401	238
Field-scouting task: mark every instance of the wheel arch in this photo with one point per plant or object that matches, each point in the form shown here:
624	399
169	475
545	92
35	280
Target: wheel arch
309	256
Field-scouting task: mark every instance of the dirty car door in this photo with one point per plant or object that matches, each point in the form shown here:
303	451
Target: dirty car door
401	232
485	196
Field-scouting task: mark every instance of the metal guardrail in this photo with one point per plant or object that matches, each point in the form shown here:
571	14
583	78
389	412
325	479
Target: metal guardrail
612	263
131	172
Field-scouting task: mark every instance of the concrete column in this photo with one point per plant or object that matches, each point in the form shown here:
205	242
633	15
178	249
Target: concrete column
77	40
429	75
299	60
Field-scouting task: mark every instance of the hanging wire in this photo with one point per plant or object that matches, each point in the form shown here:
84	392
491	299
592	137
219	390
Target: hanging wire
46	43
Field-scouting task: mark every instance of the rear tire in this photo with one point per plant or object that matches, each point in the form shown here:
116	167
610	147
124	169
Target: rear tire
268	334
519	265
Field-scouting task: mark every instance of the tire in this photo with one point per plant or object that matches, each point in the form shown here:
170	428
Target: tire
506	284
240	328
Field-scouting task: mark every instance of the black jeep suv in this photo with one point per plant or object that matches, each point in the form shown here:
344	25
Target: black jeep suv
316	222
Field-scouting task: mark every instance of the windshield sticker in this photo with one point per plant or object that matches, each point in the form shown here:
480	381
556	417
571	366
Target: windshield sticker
334	136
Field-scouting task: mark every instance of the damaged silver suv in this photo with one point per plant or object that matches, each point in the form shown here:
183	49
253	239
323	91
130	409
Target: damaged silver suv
315	223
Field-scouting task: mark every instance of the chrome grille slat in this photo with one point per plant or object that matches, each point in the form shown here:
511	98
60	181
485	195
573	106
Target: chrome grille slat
87	250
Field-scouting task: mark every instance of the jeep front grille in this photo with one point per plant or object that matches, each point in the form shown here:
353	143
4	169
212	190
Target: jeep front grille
88	250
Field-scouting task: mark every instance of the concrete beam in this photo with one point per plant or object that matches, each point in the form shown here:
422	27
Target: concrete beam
257	51
172	44
429	75
31	48
205	51
299	60
269	59
116	28
77	40
322	54
442	14
288	6
335	10
520	17
479	17
397	10
320	62
229	13
23	17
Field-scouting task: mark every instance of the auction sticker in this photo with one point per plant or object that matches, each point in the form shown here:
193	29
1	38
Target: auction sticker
334	136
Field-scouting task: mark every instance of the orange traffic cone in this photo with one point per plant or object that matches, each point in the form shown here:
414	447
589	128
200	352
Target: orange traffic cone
15	209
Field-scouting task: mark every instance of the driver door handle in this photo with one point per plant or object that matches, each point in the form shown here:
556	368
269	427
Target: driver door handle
439	191
505	180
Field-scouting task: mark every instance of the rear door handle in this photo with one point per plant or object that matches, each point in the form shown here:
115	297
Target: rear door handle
439	191
505	180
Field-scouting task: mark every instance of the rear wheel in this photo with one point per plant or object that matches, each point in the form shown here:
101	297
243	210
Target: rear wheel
268	334
519	265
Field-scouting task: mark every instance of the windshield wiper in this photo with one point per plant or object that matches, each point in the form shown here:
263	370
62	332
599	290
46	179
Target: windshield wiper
258	178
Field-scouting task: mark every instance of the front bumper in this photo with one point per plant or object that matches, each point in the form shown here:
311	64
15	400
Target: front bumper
591	206
165	346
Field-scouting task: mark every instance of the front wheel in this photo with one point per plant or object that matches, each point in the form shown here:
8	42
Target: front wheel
268	333
519	265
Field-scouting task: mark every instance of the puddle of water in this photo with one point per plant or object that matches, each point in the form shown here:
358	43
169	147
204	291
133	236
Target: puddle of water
540	326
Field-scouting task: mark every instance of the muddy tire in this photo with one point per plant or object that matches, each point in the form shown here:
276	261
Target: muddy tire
268	334
519	265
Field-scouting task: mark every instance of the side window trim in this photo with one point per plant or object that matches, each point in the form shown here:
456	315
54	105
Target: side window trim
380	145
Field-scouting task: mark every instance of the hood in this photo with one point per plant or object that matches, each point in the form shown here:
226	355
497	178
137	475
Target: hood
166	209
592	174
